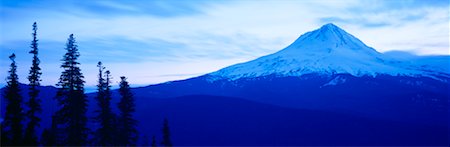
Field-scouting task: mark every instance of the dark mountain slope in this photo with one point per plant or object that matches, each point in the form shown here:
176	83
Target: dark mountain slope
211	120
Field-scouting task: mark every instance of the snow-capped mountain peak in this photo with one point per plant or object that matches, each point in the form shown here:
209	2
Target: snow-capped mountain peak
329	37
327	50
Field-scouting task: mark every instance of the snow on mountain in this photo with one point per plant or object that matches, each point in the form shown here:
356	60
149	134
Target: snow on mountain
327	50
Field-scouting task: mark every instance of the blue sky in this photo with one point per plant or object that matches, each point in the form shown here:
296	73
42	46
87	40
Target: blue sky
153	41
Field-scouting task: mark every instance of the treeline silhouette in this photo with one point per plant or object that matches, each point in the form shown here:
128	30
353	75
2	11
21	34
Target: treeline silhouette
69	122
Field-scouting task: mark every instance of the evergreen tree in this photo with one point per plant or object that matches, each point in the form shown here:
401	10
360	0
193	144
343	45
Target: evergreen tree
166	134
30	137
11	133
128	134
105	117
71	116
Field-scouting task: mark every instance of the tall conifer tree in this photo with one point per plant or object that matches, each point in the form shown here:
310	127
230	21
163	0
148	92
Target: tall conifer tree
166	141
71	116
11	133
104	135
128	133
34	106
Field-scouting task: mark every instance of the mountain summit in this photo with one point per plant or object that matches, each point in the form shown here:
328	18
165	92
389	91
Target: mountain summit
327	39
325	51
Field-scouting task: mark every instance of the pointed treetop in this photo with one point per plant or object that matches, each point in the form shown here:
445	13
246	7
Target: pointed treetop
12	56
34	26
99	64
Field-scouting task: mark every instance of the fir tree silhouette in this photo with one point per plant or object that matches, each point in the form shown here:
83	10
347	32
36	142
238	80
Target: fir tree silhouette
71	116
34	106
128	133
11	133
166	134
105	117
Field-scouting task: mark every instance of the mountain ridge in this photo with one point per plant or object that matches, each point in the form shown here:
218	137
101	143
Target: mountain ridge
327	50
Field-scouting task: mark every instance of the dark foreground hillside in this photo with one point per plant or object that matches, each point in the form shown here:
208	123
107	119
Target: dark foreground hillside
214	120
